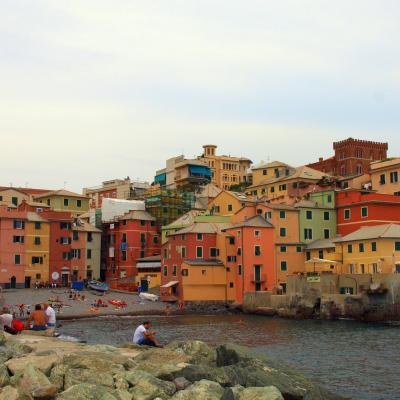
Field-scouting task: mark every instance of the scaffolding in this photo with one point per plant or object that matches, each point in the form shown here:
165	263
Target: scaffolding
168	205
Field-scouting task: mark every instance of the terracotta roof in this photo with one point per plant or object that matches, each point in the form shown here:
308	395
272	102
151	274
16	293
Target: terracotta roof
203	227
321	244
35	217
387	231
385	163
139	215
272	164
86	227
61	192
37	204
202	262
24	190
253	222
240	196
184	220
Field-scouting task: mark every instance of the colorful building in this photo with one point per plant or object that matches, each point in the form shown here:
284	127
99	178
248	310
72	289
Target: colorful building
371	250
226	171
129	238
64	200
384	176
317	216
356	208
323	256
228	203
352	157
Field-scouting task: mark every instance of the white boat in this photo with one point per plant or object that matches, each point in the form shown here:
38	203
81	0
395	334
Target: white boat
148	296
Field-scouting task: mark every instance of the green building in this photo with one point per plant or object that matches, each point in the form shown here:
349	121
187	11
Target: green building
317	216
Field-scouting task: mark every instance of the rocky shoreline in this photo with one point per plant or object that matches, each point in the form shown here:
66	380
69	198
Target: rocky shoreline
35	367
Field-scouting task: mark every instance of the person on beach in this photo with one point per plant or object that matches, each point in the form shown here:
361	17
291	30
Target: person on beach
167	310
38	319
50	315
6	319
144	337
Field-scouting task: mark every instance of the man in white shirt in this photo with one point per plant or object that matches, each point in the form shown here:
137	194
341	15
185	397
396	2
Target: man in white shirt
144	337
6	318
51	315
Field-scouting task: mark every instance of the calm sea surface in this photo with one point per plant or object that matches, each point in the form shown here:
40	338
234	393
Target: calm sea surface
349	358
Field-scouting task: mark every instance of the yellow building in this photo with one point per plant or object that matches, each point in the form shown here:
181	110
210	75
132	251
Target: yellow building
149	272
323	256
37	249
290	182
385	176
228	203
64	200
271	170
371	250
226	171
204	280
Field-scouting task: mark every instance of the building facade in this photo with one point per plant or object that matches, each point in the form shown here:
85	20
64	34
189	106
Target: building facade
64	200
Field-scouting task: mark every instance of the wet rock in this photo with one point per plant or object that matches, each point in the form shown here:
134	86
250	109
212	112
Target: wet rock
181	383
123	395
75	376
4	376
97	361
195	373
260	393
202	390
32	383
57	376
147	387
18	348
10	393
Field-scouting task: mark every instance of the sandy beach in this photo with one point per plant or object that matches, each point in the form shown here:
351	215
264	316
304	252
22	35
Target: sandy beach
82	309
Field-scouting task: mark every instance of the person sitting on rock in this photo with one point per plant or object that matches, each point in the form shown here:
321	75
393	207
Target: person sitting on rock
144	337
6	319
38	319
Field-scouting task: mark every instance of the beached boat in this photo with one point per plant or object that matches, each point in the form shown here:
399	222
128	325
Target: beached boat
148	296
98	286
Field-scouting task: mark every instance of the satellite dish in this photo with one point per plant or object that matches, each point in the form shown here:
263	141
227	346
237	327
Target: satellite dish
55	276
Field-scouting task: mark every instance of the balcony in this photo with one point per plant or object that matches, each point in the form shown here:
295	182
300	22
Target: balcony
261	279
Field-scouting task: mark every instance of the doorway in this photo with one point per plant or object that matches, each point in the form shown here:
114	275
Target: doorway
27	282
257	277
13	282
144	283
64	279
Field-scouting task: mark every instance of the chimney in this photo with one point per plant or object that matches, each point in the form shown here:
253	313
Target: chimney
320	159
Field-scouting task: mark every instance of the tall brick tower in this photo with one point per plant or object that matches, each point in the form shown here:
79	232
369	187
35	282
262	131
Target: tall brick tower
352	157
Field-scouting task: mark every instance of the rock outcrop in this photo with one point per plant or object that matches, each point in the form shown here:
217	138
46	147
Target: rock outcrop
47	368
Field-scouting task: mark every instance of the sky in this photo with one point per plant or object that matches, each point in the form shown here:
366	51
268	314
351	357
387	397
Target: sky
101	89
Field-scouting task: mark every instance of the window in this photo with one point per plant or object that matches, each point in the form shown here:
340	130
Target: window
1	198
203	272
264	172
152	223
231	240
89	236
397	246
231	259
327	215
364	212
230	208
18	224
283	266
346	290
239	269
268	215
298	249
347	214
309	214
352	269
142	253
165	270
282	214
257	250
65	225
17	259
75	235
272	189
231	285
143	238
14	200
48	202
283	249
76	253
185	272
239	251
155	239
183	251
373	246
66	255
213	252
382	179
349	248
375	269
37	240
394	177
320	254
308	235
327	233
199	236
282	188
216	209
329	198
362	268
37	260
79	203
89	254
361	247
257	233
199	252
38	225
142	222
174	270
282	232
66	202
18	239
308	255
64	240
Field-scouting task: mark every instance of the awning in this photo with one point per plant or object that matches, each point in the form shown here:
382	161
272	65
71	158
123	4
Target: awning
320	261
148	265
170	284
200	170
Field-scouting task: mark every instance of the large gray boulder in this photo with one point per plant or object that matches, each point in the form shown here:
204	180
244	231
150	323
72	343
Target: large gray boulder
202	390
10	393
32	383
148	387
74	376
196	352
87	391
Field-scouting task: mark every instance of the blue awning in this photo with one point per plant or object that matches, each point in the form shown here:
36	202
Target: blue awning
160	178
200	170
